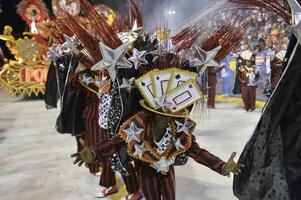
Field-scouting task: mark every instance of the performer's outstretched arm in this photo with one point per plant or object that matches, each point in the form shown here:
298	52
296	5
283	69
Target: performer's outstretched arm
204	157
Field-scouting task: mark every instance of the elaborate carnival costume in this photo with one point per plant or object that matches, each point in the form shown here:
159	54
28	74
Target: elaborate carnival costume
105	105
156	135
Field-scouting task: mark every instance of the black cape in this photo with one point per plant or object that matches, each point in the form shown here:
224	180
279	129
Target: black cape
273	154
72	101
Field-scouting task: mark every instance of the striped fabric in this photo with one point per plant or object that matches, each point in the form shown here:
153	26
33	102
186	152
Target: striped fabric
93	134
154	185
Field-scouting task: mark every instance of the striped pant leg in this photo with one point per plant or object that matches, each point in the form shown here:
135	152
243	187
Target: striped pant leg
149	184
167	185
107	177
131	181
92	137
252	97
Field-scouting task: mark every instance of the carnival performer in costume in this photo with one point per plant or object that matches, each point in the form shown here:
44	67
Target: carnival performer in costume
248	76
162	130
276	64
212	81
91	85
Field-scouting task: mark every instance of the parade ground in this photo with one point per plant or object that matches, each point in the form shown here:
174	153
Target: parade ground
35	160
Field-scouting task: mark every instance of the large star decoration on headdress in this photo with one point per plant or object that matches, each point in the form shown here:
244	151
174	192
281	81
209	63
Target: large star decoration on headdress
139	150
184	127
138	58
206	58
110	59
127	84
135	28
133	132
296	18
162	102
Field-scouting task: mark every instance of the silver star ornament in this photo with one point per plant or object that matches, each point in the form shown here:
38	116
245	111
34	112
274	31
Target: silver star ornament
110	59
128	84
133	132
162	102
139	150
184	127
138	58
86	79
206	58
178	144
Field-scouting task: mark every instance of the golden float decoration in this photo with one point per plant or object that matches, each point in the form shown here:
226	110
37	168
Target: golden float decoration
25	75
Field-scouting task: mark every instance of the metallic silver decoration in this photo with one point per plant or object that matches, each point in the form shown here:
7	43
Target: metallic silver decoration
128	84
139	150
133	132
178	144
138	58
206	58
87	79
161	102
110	58
163	165
184	127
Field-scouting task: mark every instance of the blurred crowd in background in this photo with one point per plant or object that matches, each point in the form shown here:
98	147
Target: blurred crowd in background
266	37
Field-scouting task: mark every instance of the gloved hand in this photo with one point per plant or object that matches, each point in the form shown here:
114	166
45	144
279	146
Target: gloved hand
86	155
232	166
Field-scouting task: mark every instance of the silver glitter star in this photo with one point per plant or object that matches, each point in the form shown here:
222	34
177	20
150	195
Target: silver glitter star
206	58
127	84
53	54
135	28
296	18
133	132
163	165
162	102
139	150
86	79
69	41
184	127
110	58
138	58
178	144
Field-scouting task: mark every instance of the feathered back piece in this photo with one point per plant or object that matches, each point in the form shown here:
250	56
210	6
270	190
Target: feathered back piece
230	42
276	7
70	26
186	38
135	9
214	40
